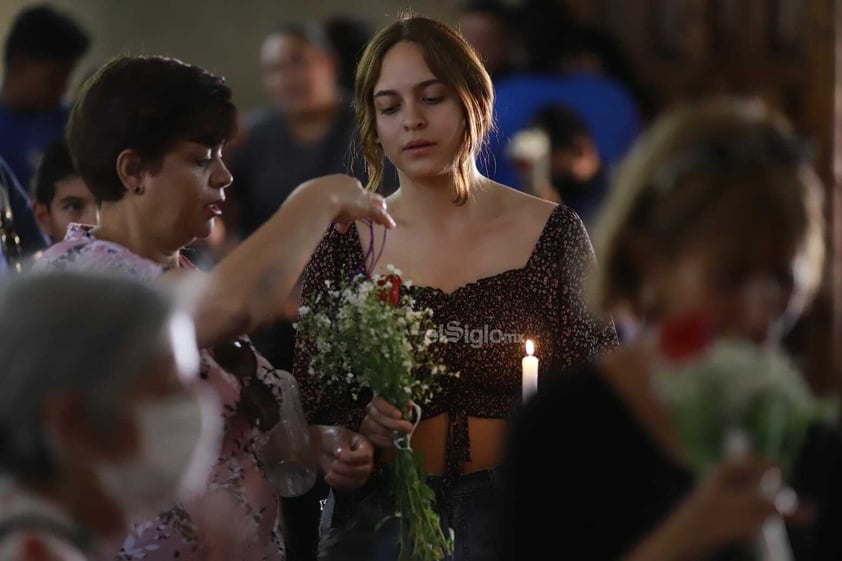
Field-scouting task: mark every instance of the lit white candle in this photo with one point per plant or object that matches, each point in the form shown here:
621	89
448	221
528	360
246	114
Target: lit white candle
530	371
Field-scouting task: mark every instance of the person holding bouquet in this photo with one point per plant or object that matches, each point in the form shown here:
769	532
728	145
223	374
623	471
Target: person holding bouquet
713	233
483	257
146	134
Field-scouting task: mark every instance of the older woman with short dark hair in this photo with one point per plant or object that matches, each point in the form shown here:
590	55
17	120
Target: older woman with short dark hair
146	135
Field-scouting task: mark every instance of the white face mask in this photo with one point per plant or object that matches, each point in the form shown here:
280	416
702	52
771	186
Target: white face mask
179	441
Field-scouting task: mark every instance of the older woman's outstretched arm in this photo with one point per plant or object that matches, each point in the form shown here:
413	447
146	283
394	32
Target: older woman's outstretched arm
250	285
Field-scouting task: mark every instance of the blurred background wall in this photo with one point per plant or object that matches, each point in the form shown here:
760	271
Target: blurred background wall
782	50
221	35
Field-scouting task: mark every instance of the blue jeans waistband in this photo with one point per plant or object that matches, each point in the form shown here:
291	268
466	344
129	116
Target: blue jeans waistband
467	483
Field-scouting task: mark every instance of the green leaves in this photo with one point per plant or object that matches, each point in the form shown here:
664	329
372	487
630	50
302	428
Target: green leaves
423	537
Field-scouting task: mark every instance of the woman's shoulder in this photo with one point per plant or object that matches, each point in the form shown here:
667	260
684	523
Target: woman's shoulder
559	220
576	407
81	250
563	396
524	205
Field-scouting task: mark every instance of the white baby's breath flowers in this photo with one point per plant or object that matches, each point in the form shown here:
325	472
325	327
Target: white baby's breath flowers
739	386
360	341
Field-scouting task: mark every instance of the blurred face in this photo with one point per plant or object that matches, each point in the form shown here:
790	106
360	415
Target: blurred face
159	438
578	164
747	301
488	37
419	119
297	75
177	427
73	202
45	82
185	193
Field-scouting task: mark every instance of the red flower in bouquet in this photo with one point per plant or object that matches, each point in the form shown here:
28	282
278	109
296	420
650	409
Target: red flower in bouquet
686	336
389	289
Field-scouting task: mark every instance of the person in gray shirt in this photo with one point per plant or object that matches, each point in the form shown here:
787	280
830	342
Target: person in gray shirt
307	131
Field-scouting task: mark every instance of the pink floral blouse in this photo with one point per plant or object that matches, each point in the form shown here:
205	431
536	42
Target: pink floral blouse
240	513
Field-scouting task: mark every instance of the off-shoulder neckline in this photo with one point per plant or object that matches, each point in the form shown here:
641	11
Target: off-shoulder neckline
545	232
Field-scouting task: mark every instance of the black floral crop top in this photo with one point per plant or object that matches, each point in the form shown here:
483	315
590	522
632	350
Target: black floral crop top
486	323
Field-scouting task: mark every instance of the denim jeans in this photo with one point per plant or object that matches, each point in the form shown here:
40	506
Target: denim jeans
356	525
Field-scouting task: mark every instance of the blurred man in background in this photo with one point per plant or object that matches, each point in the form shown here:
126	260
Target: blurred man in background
41	52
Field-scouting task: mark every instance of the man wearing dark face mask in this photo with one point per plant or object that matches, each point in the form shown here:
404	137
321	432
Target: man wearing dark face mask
577	177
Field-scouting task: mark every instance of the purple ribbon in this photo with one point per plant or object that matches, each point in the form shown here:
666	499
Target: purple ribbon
370	260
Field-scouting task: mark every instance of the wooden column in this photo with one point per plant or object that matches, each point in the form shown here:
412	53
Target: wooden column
821	118
835	197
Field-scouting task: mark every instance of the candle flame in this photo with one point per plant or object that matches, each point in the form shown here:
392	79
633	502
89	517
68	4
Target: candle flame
530	347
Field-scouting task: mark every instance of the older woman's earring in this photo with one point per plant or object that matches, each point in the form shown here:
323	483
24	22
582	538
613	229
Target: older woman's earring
138	189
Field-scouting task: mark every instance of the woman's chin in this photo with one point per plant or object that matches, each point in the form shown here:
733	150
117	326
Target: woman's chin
203	230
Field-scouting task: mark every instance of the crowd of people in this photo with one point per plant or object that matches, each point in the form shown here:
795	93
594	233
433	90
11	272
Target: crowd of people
164	240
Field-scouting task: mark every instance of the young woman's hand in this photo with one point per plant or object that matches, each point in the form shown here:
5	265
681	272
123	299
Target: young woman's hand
382	420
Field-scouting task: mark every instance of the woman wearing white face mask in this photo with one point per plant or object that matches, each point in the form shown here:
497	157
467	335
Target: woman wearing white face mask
98	429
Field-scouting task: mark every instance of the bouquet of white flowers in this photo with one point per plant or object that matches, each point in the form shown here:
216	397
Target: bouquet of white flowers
739	394
368	334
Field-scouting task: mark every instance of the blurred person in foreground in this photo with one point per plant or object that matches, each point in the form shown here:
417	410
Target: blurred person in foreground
679	253
102	428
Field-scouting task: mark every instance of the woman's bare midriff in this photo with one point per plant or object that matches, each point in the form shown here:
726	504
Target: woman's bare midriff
486	436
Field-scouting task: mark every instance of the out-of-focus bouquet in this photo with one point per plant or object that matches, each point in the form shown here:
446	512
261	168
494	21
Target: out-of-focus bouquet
737	386
369	334
736	398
